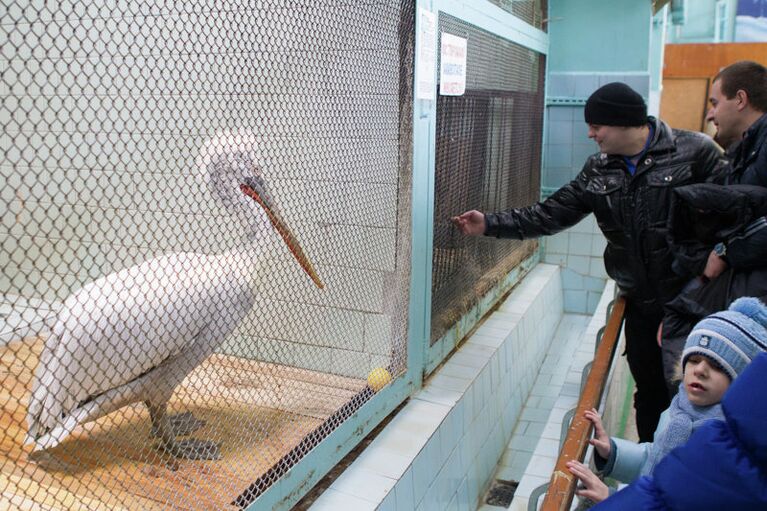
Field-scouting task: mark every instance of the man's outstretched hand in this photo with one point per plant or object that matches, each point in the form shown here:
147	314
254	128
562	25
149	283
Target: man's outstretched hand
471	223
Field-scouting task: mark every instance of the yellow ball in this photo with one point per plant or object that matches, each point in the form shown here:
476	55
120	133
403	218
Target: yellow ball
378	378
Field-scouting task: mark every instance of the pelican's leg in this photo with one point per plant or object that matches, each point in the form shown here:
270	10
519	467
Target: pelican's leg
191	449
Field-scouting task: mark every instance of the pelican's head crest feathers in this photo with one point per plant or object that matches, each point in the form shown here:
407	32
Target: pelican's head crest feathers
224	162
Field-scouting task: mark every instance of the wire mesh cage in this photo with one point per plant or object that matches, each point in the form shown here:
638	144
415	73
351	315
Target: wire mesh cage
205	241
533	12
488	157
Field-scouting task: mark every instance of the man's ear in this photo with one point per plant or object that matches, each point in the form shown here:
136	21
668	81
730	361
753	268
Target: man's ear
742	99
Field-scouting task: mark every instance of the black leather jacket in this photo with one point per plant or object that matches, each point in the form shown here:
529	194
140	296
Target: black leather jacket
630	210
708	213
748	158
748	166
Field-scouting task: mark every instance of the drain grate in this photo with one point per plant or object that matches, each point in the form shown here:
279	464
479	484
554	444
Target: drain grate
501	492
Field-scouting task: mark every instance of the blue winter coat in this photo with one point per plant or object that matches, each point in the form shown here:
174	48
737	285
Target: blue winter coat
724	464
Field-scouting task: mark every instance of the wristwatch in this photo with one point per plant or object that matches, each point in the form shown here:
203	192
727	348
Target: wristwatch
720	249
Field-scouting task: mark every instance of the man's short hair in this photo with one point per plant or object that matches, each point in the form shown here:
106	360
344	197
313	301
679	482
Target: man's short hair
748	76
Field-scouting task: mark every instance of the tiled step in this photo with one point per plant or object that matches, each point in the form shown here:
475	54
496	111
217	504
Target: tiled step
440	450
559	383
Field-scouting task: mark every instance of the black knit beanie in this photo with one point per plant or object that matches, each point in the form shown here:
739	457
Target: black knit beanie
615	104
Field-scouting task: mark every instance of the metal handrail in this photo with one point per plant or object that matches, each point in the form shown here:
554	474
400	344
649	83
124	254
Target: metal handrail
538	492
532	504
600	333
562	485
567	418
584	376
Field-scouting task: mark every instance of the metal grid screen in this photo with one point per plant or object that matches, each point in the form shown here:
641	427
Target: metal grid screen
530	11
488	152
205	241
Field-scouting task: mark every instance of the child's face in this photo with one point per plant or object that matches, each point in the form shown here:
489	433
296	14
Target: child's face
704	383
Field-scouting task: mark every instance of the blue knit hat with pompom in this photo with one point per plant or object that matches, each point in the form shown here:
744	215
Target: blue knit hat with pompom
730	338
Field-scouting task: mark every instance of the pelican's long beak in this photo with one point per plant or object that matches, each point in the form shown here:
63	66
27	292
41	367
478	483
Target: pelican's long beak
255	189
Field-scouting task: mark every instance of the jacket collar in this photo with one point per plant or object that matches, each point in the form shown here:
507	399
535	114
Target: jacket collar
662	141
754	134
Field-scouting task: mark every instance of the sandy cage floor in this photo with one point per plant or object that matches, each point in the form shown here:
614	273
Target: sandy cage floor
258	411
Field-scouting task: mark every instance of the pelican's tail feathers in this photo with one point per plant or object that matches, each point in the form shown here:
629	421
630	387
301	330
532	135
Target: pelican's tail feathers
53	437
50	401
45	405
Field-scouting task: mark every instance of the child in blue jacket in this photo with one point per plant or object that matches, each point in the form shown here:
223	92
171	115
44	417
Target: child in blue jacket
724	464
717	350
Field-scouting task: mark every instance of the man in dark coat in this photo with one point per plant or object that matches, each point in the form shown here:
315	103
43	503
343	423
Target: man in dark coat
739	112
627	185
736	266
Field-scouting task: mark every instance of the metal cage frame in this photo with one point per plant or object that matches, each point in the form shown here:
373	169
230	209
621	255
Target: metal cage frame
294	482
422	356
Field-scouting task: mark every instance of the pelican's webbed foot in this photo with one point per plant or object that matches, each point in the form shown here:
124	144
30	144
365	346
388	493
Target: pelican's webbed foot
193	449
180	424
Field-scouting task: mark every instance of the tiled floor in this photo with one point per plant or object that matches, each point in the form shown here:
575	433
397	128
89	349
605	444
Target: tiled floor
439	451
560	380
441	448
535	414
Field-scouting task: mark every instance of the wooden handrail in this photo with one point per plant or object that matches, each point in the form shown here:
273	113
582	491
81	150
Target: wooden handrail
562	485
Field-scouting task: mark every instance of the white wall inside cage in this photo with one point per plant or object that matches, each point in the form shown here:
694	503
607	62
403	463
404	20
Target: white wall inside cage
105	115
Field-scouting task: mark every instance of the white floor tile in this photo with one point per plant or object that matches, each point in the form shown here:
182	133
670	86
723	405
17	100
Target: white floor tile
334	500
365	484
383	462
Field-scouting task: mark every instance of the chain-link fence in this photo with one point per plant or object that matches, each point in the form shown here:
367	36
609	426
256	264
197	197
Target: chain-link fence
488	157
205	241
533	12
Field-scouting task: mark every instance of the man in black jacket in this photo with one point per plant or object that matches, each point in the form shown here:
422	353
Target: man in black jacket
739	112
627	185
738	264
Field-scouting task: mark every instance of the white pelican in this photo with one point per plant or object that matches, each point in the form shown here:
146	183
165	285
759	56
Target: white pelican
132	336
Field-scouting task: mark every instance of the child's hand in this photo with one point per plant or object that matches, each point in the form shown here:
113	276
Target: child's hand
601	441
593	488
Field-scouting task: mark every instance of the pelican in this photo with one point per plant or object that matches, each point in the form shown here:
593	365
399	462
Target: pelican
133	336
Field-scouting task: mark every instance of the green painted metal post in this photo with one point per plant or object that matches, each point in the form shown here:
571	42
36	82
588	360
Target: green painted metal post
497	21
422	210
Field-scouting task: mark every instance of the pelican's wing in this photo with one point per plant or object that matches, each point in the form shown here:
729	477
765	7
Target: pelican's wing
120	327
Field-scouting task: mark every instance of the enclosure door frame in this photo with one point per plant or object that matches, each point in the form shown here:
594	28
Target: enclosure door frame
421	357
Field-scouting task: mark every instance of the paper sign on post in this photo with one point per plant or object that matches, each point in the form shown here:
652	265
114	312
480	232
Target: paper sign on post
452	69
427	54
